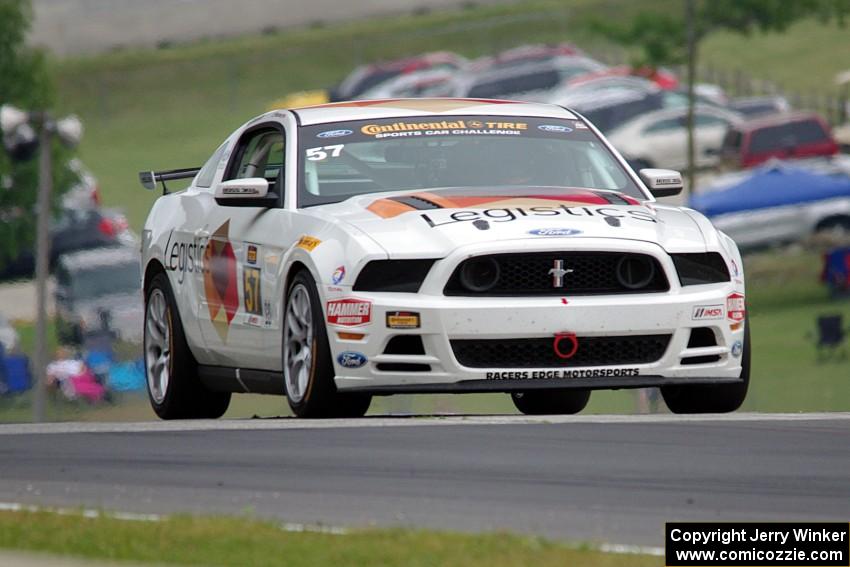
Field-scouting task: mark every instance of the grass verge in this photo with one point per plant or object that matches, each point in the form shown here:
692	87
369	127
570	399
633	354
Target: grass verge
184	540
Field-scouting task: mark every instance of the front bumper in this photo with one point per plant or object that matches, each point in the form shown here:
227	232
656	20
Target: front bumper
444	319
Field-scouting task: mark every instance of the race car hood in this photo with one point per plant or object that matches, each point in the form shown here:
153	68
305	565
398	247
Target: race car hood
435	222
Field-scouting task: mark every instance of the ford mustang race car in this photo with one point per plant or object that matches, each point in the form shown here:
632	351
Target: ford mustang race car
337	252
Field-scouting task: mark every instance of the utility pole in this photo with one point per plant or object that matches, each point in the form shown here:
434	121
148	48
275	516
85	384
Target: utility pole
42	265
18	129
690	23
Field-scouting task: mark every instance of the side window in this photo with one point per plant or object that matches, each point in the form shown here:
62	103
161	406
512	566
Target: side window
662	125
808	132
259	154
205	176
709	120
769	139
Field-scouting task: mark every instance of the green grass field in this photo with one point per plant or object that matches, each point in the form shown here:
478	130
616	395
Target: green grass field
803	60
239	542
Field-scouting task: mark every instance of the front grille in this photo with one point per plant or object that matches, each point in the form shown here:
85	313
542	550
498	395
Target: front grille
587	273
540	353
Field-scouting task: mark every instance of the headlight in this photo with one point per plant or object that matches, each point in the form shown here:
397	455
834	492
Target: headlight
393	275
697	269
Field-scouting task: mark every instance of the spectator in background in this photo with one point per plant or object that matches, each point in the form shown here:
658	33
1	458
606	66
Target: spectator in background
64	367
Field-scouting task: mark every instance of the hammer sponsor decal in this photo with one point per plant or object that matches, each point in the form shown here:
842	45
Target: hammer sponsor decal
349	312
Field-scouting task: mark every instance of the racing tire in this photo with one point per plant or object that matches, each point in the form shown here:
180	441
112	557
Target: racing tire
551	402
712	398
171	373
308	371
351	405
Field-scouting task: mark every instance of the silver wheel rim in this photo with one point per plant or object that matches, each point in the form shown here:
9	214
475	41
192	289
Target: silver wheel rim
157	346
298	343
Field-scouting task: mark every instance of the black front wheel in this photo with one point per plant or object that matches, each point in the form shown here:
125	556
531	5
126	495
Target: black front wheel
551	402
308	370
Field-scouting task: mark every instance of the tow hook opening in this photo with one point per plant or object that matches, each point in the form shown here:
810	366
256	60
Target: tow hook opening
565	345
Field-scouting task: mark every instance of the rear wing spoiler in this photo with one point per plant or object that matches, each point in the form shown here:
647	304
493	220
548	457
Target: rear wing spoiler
149	179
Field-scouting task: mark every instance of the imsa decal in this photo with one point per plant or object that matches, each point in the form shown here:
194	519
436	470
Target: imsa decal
707	312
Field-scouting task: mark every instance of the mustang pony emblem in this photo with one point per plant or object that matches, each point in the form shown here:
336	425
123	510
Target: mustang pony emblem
558	272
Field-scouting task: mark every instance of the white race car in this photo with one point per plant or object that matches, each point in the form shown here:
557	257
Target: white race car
347	250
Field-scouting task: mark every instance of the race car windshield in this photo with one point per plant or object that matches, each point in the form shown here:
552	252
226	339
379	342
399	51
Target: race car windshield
344	159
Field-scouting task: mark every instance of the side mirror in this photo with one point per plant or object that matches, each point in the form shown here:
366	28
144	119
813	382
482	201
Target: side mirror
250	192
662	182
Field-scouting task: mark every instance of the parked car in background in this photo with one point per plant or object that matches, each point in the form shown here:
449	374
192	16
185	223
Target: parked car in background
754	106
9	337
842	136
97	290
431	83
530	82
370	76
711	94
85	194
660	78
777	204
660	138
579	89
523	54
612	108
782	136
73	230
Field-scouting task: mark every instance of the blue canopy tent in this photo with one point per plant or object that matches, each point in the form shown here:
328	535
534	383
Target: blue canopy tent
772	186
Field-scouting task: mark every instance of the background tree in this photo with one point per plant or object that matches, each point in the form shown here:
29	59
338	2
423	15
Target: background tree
672	38
25	83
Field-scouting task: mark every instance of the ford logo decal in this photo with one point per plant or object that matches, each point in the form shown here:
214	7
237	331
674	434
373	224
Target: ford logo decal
334	133
554	128
351	359
554	231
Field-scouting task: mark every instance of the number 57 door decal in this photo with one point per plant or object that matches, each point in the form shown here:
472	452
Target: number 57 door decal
252	295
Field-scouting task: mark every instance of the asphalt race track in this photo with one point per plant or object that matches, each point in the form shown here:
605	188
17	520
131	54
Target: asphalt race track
605	479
